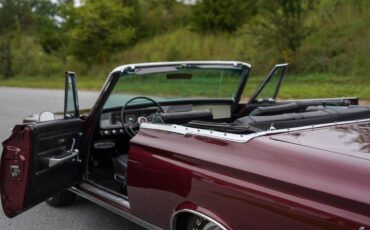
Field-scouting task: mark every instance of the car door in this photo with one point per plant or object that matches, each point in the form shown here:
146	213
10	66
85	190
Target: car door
41	159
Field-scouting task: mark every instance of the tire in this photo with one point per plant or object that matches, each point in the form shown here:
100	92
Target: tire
199	223
62	199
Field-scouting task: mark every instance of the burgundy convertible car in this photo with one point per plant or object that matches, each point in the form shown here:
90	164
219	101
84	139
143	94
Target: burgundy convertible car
171	146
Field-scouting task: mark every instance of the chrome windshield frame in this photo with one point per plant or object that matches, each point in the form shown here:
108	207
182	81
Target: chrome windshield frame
245	67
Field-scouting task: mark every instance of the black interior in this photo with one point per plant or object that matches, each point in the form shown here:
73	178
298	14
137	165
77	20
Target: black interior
53	140
310	116
185	117
109	156
108	161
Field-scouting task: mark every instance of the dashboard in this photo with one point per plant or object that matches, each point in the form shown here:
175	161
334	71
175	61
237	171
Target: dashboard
111	124
110	121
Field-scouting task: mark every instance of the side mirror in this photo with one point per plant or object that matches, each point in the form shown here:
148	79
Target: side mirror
71	107
46	116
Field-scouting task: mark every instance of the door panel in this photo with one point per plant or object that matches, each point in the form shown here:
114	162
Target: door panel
48	158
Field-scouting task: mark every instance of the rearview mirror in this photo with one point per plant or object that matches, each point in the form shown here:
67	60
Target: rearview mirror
179	76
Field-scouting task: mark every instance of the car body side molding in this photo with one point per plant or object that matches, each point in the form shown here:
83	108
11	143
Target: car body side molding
180	129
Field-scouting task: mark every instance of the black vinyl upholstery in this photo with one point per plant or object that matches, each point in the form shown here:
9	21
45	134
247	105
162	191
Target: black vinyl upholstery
120	167
184	117
312	115
270	110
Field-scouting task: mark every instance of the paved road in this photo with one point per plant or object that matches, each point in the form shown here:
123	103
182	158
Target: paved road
15	104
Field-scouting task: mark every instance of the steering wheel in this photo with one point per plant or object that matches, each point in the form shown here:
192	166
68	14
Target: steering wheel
131	128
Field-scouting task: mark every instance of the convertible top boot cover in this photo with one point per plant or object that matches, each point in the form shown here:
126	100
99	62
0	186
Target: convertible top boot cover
185	117
312	116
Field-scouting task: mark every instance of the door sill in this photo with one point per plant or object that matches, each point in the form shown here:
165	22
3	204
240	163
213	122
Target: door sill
112	198
106	189
112	202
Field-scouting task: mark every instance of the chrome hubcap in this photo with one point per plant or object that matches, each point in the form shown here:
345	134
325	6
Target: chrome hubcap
211	226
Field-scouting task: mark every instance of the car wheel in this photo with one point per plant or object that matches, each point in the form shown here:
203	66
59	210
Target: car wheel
62	199
199	223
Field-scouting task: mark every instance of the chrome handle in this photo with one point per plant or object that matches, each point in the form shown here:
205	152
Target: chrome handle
56	161
73	144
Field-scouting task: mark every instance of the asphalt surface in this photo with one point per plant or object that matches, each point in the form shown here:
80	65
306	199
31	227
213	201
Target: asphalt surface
17	103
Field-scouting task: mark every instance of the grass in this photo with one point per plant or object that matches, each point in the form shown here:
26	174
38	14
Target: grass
294	87
321	86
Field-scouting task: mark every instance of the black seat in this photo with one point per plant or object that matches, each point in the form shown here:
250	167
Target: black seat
120	168
275	109
184	117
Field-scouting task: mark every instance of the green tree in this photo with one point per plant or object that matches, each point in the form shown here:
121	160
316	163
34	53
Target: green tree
221	15
46	29
283	24
15	19
98	28
160	16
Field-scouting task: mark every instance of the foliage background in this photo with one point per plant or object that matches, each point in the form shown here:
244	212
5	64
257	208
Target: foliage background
326	42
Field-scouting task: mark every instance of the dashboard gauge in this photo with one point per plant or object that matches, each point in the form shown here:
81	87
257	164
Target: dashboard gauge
115	119
131	118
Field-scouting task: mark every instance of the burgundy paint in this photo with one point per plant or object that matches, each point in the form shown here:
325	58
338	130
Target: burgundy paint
241	185
352	139
16	151
259	184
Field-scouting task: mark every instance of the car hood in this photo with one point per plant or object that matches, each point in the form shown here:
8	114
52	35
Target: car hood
349	139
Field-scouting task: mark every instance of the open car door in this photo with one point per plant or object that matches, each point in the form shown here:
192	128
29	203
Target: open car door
41	159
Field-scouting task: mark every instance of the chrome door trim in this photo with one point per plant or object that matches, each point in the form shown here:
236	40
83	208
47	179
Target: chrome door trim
184	130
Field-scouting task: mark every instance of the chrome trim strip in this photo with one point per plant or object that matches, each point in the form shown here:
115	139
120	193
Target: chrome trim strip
180	129
119	200
114	209
153	64
173	220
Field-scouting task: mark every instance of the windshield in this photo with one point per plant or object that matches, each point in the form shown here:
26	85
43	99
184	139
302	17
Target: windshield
177	82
